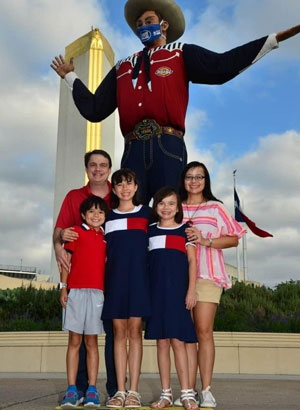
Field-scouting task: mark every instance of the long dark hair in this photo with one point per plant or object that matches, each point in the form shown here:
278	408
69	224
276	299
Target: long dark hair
124	174
207	194
159	196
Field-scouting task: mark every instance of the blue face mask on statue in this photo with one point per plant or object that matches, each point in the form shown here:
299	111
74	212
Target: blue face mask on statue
149	33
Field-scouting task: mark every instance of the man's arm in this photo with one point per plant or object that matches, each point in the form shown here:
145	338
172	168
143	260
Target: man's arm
207	67
64	230
64	292
60	253
94	107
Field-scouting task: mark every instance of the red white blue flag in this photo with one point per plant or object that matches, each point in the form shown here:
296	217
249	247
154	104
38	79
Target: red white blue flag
241	217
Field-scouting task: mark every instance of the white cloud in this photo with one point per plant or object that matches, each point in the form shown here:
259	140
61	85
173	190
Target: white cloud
227	24
26	224
268	184
195	121
35	28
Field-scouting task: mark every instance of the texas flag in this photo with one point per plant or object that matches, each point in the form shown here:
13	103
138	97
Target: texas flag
241	217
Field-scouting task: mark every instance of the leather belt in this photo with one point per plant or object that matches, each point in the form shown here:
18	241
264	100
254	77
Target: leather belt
147	129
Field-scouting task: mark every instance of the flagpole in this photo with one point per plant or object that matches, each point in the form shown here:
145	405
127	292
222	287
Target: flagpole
238	262
245	256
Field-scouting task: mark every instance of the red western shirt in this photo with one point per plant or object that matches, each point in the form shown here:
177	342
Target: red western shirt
172	67
167	102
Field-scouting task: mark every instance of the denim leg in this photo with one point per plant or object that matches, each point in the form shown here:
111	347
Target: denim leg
82	382
111	377
137	157
157	162
170	158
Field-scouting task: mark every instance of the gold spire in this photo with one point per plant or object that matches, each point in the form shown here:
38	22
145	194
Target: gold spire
97	47
92	39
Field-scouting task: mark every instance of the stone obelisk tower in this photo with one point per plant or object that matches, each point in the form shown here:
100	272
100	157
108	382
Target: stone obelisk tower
93	58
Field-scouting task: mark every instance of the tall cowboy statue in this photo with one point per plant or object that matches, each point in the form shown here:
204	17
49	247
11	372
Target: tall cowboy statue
150	88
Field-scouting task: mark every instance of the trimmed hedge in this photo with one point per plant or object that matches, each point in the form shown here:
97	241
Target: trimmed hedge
251	309
242	309
29	309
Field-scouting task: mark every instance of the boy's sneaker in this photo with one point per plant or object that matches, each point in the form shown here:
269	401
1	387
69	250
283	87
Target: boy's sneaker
207	399
178	403
92	398
71	398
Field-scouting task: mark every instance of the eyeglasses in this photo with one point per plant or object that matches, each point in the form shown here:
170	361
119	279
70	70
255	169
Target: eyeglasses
197	178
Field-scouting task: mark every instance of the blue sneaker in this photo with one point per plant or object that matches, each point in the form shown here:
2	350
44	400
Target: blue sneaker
71	398
92	397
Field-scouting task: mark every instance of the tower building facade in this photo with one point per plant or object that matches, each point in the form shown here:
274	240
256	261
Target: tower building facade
93	59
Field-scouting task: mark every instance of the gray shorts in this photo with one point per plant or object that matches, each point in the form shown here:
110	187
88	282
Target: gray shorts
83	311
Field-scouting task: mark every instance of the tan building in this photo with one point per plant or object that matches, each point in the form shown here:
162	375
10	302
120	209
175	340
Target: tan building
23	276
232	272
12	277
93	58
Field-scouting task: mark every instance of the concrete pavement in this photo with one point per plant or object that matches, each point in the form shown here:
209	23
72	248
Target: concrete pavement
27	391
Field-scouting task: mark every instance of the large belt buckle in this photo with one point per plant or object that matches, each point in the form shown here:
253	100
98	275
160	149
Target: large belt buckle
146	129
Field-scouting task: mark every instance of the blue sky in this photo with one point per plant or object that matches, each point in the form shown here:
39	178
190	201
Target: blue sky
251	124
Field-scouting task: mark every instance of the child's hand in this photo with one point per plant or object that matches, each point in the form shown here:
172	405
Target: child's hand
190	300
69	235
63	297
194	235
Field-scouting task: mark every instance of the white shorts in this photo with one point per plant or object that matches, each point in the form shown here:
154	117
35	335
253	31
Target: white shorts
83	311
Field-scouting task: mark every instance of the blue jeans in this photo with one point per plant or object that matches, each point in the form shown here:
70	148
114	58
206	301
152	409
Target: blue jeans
157	162
111	378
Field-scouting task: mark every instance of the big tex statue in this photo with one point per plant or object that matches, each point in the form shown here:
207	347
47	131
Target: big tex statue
150	88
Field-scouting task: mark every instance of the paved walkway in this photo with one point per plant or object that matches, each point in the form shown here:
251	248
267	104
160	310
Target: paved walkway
43	392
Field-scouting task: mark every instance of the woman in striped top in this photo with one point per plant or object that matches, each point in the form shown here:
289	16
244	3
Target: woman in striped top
212	229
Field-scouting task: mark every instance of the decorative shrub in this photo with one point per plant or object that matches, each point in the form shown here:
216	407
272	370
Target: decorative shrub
253	309
242	309
28	308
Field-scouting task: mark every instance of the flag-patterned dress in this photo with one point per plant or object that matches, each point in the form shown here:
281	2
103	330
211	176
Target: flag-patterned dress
126	278
169	280
213	221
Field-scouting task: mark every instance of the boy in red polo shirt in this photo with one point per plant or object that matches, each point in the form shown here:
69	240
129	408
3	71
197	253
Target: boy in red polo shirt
82	297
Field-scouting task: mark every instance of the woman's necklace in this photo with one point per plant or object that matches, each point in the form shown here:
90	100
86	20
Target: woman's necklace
190	220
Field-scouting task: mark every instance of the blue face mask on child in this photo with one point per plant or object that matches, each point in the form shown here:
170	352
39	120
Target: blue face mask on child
149	33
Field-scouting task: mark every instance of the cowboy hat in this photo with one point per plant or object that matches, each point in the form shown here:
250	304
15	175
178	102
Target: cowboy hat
168	9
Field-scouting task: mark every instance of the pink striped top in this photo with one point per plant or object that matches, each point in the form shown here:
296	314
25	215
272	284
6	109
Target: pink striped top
213	221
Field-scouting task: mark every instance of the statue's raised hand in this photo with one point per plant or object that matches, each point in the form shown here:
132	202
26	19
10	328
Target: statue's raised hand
61	67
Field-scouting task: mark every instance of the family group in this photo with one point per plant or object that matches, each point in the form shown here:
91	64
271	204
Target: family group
123	262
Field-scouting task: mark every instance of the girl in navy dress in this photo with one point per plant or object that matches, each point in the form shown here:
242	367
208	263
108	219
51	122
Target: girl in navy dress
172	262
127	297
